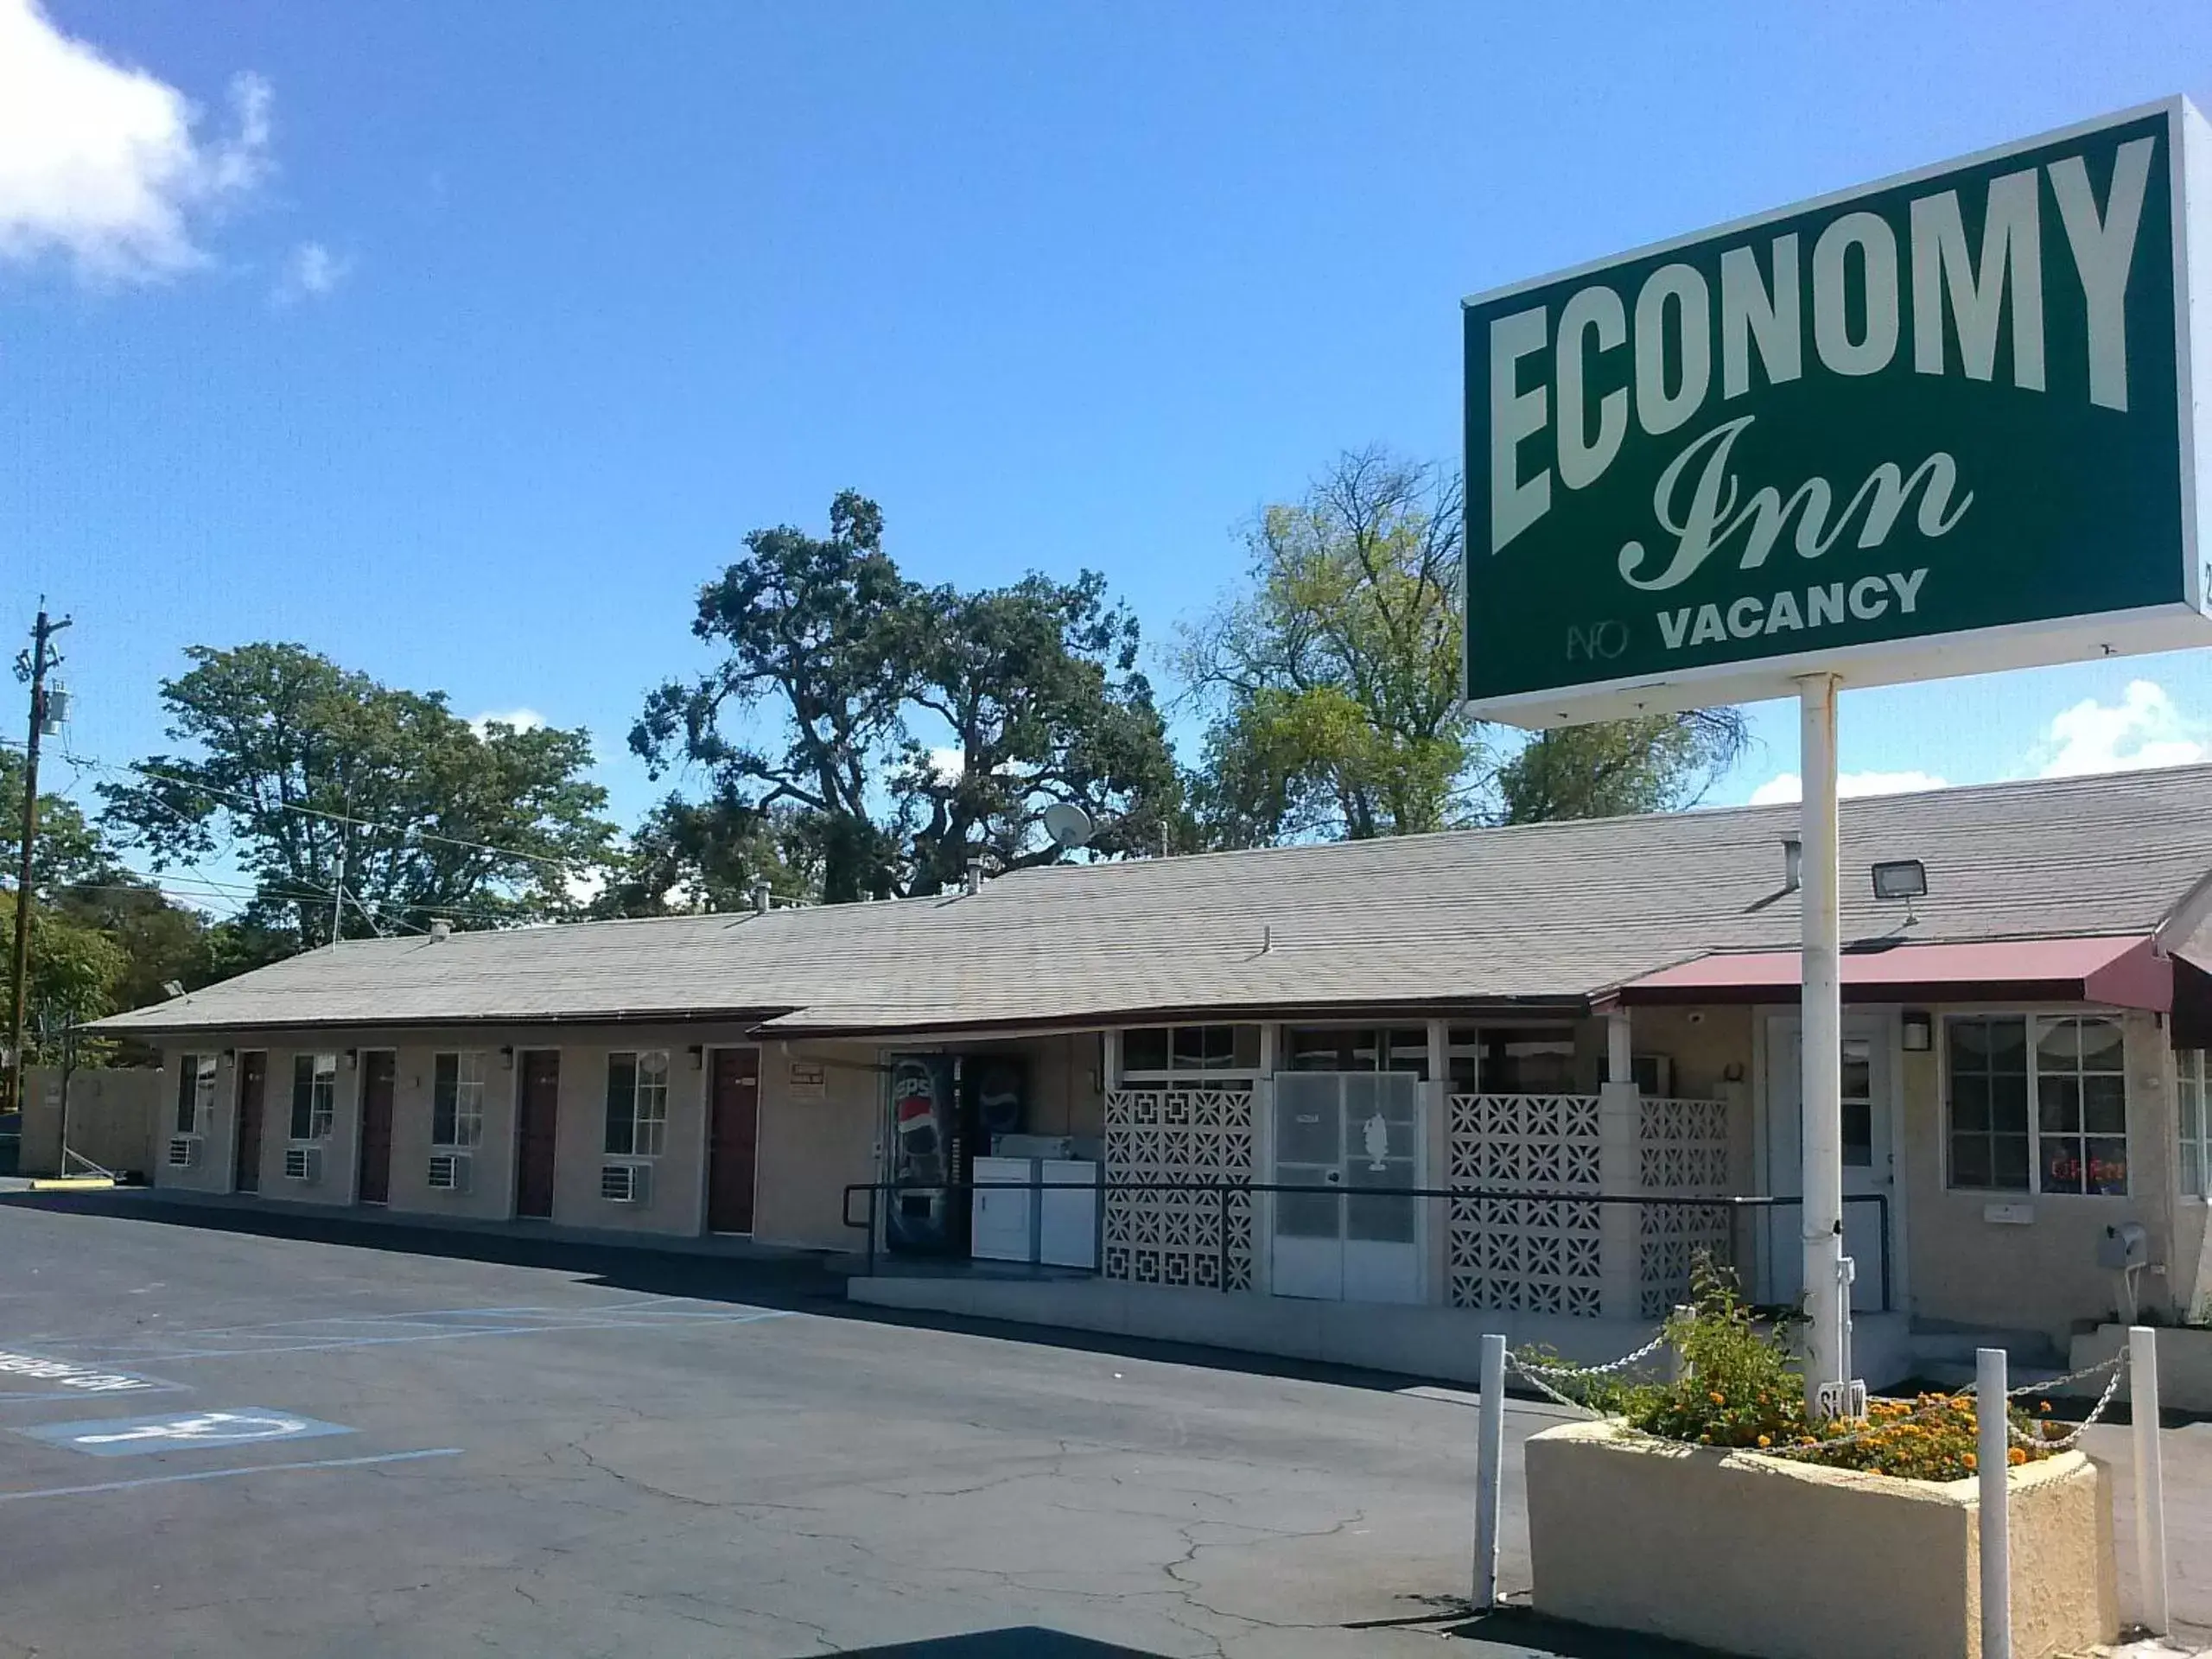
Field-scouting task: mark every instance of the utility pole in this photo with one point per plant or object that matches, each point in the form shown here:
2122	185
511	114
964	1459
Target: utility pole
32	665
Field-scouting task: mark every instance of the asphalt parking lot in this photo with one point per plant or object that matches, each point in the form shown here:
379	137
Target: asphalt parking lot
221	1434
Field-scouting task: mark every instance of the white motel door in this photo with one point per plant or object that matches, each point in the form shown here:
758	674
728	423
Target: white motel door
1869	1166
1346	1131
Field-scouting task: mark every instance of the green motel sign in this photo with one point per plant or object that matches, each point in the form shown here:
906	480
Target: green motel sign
1940	425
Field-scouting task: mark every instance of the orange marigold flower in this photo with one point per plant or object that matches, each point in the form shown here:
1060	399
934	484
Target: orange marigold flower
2044	1407
1768	1441
1970	1461
2017	1455
1718	1398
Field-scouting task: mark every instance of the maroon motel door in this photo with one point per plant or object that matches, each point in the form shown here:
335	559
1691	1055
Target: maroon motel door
540	1114
733	1137
253	1081
379	1067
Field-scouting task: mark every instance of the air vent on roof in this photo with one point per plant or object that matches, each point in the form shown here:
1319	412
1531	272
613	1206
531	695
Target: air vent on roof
1793	863
441	928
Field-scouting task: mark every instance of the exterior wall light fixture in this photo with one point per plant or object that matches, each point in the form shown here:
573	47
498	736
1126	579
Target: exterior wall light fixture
1918	1032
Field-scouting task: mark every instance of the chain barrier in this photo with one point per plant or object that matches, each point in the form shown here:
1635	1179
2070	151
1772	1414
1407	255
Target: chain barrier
1537	1374
2066	1443
1566	1368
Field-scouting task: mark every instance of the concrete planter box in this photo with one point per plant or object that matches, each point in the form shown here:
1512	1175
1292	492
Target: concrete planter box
2184	1365
1763	1556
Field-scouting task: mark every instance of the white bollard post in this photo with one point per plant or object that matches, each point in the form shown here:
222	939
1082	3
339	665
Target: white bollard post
2149	1476
1489	1471
1992	1464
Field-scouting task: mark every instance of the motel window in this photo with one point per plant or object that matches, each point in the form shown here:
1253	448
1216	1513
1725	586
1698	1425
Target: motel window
1189	1051
2038	1104
457	1100
1513	1059
315	1096
2192	1099
1357	1048
637	1103
195	1092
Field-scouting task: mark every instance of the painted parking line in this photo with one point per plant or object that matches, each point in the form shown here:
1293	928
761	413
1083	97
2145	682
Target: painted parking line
455	1333
229	1474
327	1332
177	1430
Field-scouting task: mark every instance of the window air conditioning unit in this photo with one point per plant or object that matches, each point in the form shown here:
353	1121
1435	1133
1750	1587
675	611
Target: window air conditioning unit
449	1171
623	1183
184	1151
303	1164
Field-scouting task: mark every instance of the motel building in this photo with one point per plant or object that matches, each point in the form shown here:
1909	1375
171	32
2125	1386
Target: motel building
1591	1025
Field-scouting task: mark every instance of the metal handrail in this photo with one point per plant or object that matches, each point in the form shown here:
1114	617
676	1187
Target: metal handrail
1225	1189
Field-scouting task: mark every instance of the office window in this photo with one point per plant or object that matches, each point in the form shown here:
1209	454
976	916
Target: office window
1357	1048
637	1103
2193	1075
1513	1060
457	1100
1189	1051
315	1096
2038	1104
195	1092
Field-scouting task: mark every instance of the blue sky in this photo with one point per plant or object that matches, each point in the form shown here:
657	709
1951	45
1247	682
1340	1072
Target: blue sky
463	342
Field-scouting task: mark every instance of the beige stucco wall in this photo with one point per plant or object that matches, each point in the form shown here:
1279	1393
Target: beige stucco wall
810	1148
1756	1555
676	1206
2042	1275
112	1112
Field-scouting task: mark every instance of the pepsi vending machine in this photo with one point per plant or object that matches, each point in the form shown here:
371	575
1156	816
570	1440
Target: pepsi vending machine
927	1150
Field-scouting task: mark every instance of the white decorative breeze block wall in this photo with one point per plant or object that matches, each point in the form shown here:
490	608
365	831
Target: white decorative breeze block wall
1178	1135
1683	1148
1525	1256
1547	1256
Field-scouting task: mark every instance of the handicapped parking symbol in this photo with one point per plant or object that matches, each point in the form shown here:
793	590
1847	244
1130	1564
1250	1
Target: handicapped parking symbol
181	1431
207	1426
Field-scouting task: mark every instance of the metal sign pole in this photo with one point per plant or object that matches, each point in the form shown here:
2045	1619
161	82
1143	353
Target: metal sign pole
1820	1089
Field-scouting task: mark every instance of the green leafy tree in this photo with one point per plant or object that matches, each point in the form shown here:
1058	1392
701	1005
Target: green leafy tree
1654	764
816	630
691	857
1333	683
909	729
1330	686
74	974
316	780
1038	685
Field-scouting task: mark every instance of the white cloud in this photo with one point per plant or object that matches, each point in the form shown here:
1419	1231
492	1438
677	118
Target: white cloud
523	719
948	762
2143	729
107	165
311	270
1788	786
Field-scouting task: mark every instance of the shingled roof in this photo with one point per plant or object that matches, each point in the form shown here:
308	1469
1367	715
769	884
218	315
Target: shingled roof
1541	914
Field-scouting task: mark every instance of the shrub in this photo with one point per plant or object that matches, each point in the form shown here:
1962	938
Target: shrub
1738	1390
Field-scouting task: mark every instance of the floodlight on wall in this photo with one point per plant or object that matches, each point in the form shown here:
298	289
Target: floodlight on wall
1902	878
1917	1031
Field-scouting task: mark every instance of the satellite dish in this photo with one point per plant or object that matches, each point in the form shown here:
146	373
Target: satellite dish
1068	824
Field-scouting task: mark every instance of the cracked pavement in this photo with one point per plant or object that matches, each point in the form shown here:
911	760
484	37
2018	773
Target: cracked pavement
648	1465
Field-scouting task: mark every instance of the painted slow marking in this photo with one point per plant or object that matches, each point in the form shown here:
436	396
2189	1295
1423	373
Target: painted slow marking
83	1379
225	1474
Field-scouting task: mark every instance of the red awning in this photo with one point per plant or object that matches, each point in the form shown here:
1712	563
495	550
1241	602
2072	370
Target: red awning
2123	972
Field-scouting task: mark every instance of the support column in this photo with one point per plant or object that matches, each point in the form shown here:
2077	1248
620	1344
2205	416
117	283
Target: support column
1620	1170
1827	1359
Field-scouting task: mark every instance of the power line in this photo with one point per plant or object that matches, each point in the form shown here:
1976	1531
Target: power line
235	798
